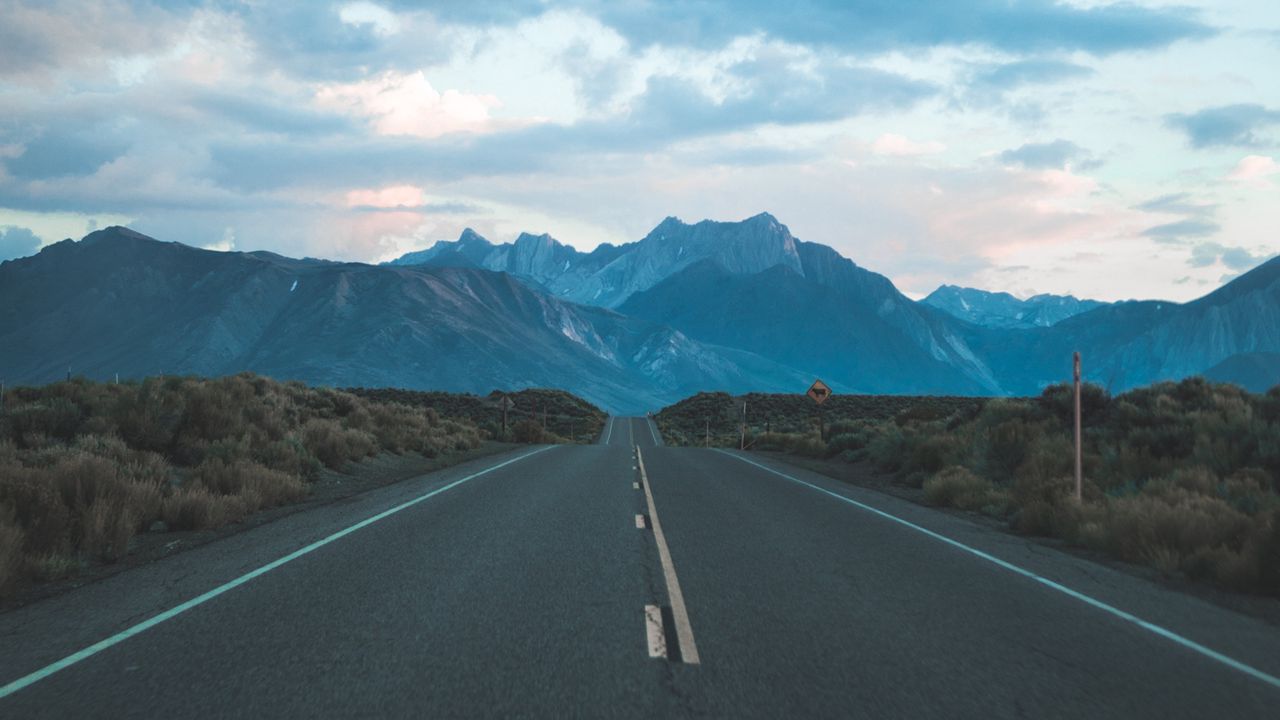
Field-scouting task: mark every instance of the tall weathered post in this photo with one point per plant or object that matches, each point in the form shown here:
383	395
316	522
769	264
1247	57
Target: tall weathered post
1079	449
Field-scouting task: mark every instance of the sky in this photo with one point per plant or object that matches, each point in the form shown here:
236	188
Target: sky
1108	150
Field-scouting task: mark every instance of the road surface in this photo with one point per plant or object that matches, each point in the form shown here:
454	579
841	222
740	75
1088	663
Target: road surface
628	579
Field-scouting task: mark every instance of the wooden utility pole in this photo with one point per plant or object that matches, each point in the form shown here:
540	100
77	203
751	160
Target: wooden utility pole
708	443
1079	451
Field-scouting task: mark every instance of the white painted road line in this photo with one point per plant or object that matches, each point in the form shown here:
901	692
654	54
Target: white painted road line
654	433
631	430
1165	633
145	625
635	486
640	522
653	630
608	431
684	631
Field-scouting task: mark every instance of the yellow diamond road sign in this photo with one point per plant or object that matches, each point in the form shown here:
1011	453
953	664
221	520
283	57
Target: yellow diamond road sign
819	391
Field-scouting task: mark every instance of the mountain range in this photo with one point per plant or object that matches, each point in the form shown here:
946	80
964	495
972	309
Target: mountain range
733	306
1002	310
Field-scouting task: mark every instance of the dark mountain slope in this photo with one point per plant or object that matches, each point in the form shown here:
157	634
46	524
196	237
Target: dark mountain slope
1256	372
121	302
860	335
1130	344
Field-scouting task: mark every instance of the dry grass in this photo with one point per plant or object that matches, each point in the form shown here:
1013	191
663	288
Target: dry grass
11	541
1183	477
85	466
958	487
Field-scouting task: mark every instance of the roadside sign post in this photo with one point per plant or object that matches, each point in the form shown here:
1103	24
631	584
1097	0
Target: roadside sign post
506	404
1079	448
819	391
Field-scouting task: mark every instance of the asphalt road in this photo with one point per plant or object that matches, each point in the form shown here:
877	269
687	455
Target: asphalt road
632	580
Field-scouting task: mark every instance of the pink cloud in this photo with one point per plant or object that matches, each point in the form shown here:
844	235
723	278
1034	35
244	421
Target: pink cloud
1254	170
407	104
393	196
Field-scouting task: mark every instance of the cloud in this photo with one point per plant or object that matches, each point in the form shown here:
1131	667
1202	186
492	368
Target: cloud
998	79
37	40
16	242
764	91
66	148
269	114
1225	126
1182	230
1176	203
383	21
1196	221
1057	154
396	104
1254	170
1234	258
866	27
395	196
899	146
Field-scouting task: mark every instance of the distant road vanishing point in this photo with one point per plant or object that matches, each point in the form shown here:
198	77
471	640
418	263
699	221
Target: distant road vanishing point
630	579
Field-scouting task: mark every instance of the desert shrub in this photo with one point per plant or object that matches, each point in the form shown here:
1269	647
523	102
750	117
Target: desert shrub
526	431
958	487
808	446
938	449
888	448
84	465
773	441
1004	445
55	417
1046	457
106	528
11	542
1167	530
850	439
256	485
37	505
1058	401
192	507
1267	552
922	412
333	444
150	416
289	456
82	479
1249	491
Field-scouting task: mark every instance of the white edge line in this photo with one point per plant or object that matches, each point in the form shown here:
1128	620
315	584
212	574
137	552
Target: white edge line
653	631
1165	633
679	614
649	421
169	614
609	431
